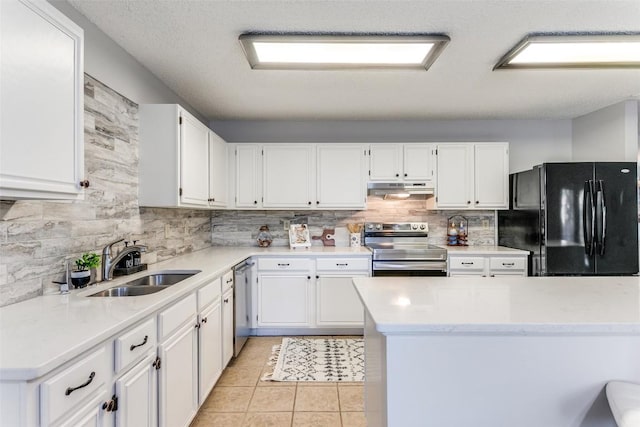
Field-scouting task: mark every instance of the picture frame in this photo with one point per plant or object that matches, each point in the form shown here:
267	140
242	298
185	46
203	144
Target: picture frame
299	236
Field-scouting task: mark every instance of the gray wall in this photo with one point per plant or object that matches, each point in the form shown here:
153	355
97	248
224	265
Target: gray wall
531	141
105	60
36	236
609	134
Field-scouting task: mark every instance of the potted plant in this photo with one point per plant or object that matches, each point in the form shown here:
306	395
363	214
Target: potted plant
85	265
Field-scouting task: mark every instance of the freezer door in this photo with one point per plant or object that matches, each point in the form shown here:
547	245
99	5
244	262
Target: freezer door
616	218
563	215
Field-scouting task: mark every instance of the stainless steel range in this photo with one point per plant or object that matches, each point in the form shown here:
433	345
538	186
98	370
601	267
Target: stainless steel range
401	249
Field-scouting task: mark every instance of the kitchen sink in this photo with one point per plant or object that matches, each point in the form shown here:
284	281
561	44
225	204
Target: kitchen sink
146	285
127	291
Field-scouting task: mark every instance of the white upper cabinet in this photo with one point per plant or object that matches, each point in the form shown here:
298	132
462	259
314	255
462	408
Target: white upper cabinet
41	107
385	162
288	175
182	162
341	176
409	162
247	177
218	171
473	176
491	176
419	162
194	161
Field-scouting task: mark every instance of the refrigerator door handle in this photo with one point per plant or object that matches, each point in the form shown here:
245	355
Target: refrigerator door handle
602	217
588	223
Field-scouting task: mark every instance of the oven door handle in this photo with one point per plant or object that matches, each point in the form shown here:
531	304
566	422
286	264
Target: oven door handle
410	266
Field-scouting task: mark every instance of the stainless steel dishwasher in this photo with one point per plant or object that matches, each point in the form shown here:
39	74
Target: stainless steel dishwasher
242	298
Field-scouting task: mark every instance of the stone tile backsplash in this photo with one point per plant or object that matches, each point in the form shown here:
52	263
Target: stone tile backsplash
240	228
36	236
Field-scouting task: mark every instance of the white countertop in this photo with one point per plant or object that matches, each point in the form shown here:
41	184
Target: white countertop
503	305
42	333
484	250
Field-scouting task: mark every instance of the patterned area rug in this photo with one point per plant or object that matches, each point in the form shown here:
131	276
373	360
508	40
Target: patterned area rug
313	359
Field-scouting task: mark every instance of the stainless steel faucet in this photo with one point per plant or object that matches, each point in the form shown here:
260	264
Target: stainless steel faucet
109	263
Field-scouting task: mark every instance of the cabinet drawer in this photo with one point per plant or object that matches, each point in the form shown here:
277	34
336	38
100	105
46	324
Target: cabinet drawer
290	264
466	263
176	315
208	294
346	264
132	345
506	263
74	386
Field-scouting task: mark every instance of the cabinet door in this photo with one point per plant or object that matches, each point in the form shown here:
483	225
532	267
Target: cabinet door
419	162
217	171
385	162
491	176
137	391
227	327
178	386
338	303
341	176
283	300
247	176
91	415
210	349
41	108
288	172
455	176
194	161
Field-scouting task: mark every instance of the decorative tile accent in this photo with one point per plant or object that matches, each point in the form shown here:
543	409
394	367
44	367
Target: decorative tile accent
36	236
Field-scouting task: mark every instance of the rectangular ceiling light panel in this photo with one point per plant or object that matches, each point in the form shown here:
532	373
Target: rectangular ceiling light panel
574	51
341	52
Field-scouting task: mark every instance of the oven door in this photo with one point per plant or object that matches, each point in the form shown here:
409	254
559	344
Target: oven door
409	268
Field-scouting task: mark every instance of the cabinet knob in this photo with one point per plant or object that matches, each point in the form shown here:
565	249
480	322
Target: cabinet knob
84	184
308	277
397	175
477	202
204	320
309	203
317	277
317	202
255	202
226	300
405	175
468	202
197	326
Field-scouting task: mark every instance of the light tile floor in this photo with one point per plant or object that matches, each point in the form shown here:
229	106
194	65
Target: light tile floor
241	399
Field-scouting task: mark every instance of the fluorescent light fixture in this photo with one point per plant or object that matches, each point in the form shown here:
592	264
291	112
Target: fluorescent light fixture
337	52
574	51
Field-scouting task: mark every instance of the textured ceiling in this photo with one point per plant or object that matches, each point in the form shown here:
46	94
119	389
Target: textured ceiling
193	47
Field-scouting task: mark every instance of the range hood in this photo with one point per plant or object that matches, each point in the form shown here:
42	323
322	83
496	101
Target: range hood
401	190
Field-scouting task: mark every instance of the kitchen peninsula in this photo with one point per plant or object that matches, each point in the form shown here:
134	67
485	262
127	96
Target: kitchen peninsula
504	351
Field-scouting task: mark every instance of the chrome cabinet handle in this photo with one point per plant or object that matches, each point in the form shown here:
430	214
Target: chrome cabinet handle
144	341
72	389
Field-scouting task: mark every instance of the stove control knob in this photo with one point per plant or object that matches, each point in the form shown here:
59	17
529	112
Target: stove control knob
414	226
422	226
378	226
369	226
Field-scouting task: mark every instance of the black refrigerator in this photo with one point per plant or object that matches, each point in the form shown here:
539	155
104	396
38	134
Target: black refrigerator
574	218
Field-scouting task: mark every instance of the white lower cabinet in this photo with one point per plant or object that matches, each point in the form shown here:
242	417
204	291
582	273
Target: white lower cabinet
178	353
487	265
283	300
136	392
209	349
310	293
337	303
